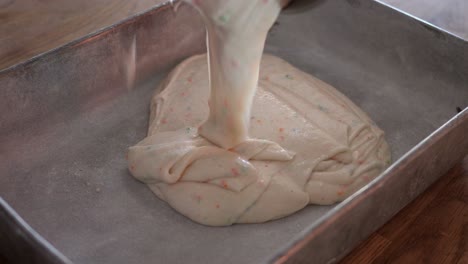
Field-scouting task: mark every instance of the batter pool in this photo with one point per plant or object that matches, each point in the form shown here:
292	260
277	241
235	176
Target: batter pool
237	137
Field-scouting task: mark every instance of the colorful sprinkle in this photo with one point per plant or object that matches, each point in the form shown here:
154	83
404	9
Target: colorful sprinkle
132	167
197	197
223	18
322	108
217	206
189	79
235	172
164	121
282	138
224	184
281	130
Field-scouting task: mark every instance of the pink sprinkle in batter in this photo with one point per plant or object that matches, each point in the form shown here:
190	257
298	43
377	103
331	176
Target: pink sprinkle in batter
235	172
197	197
224	184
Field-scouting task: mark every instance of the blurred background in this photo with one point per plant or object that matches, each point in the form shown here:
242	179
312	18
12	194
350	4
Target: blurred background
30	27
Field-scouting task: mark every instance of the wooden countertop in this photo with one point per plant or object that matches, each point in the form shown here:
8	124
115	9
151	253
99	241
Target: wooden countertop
432	229
31	27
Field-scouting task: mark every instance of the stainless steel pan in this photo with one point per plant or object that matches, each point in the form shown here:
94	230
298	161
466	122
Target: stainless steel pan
68	116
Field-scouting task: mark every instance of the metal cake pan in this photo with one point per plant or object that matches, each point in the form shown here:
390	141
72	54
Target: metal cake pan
69	115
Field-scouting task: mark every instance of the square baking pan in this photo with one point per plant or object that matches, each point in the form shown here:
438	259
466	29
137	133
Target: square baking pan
69	115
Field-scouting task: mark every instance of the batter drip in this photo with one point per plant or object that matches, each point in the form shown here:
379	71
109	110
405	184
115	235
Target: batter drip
221	150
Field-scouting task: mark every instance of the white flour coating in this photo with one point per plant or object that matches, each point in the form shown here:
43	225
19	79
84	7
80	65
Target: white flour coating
255	153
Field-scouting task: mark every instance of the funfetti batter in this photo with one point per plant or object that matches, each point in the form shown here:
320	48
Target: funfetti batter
237	137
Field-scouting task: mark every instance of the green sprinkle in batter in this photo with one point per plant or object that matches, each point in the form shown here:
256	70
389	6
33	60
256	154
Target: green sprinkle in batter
223	18
322	108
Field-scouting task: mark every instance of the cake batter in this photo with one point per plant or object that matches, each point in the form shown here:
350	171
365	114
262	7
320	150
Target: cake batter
237	137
